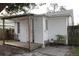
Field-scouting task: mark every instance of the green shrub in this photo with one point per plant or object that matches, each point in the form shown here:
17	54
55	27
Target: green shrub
60	39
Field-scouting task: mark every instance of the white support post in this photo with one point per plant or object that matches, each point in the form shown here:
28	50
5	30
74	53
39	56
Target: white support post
67	23
45	32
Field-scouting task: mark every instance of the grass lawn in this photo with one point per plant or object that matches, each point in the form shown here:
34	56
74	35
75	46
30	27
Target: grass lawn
75	51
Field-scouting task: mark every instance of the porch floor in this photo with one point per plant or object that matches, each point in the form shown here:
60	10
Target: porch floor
22	44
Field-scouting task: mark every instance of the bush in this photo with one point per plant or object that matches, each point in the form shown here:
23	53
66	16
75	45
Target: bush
60	39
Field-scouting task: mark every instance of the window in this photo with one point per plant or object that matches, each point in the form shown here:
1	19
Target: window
18	27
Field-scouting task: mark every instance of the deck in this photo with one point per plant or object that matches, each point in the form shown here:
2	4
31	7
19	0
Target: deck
22	44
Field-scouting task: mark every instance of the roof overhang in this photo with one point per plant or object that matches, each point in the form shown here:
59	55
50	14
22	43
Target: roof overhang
57	14
16	16
61	14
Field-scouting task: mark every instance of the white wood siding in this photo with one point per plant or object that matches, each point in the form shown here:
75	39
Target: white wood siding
23	35
38	30
56	26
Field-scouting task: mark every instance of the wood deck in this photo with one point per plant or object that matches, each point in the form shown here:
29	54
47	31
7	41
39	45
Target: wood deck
22	44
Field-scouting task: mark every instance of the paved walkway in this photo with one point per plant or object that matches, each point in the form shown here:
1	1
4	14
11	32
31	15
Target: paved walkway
48	51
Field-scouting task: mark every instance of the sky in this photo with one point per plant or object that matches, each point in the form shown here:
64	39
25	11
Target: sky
68	4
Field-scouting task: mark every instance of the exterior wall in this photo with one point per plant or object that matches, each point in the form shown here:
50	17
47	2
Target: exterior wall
70	21
45	30
38	29
23	35
56	26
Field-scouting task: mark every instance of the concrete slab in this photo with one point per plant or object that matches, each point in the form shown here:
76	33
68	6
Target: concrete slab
54	51
49	51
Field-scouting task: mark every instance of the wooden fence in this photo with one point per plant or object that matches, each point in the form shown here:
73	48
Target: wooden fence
73	35
9	34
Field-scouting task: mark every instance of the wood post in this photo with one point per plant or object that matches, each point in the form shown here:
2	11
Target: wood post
29	31
3	31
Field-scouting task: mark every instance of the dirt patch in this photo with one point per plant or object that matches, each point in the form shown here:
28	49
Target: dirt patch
6	50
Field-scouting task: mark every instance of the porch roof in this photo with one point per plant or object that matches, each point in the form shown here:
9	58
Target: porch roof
15	16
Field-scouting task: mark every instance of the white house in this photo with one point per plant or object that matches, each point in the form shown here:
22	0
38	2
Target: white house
8	24
41	28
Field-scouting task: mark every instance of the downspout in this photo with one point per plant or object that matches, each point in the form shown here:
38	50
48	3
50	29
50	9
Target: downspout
33	29
3	31
72	20
67	25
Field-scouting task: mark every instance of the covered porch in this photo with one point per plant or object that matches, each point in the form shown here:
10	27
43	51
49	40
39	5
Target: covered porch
22	45
30	45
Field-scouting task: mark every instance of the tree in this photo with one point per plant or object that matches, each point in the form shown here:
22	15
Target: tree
62	8
18	7
55	6
2	6
21	7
